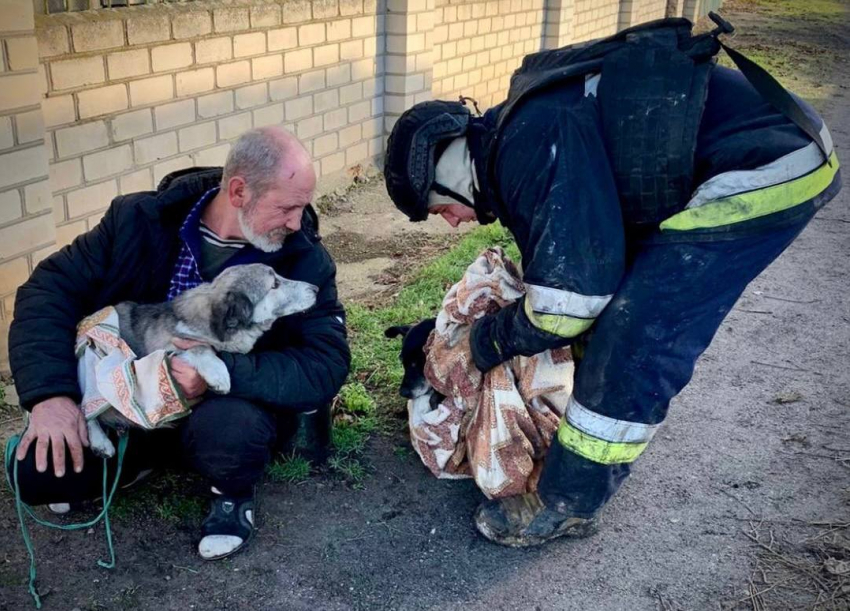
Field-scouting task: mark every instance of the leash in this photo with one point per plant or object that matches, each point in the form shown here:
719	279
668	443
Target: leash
23	509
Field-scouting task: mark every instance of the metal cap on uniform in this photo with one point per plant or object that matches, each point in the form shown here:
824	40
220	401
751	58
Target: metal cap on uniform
410	162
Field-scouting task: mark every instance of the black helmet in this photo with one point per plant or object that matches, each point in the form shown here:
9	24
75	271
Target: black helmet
411	152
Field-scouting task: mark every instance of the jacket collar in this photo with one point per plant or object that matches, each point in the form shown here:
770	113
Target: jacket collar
479	138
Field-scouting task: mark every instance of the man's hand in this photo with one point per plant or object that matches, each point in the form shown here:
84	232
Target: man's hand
187	378
55	423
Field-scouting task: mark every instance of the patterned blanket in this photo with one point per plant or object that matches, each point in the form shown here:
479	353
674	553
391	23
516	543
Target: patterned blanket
495	427
111	375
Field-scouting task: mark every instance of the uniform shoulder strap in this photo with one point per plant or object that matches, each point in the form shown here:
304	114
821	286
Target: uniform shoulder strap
769	88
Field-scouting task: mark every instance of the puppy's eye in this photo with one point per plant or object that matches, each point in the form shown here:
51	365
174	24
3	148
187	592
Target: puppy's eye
275	284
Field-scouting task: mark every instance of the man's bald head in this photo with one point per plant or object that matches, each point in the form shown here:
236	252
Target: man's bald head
268	156
268	180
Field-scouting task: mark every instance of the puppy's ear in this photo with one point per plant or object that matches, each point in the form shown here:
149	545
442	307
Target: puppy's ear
234	311
400	330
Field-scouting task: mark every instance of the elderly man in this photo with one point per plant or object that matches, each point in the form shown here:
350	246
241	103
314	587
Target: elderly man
149	247
646	188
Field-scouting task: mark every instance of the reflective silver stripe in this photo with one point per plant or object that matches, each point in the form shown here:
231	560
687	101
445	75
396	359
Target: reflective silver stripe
591	84
546	300
608	429
791	166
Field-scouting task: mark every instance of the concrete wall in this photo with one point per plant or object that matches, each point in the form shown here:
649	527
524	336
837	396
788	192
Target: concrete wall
103	102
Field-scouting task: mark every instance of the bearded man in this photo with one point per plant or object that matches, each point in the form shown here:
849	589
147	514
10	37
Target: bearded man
150	247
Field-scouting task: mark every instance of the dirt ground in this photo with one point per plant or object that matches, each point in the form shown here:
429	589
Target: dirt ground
757	445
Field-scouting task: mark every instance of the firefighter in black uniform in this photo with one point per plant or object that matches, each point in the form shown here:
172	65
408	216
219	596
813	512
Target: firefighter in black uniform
646	188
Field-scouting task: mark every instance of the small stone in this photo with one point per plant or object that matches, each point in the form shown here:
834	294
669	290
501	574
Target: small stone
10	396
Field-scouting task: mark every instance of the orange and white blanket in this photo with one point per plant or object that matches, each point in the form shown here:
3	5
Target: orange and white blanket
494	427
112	376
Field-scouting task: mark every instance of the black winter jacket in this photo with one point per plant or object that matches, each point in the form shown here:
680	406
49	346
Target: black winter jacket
299	364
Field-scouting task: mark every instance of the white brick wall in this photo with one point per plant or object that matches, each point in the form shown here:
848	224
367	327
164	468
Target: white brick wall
167	87
114	100
27	225
477	45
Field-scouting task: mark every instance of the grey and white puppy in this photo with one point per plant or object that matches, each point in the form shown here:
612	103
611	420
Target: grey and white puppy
228	314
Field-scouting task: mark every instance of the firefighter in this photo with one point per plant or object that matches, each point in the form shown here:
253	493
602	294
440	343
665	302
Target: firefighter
646	187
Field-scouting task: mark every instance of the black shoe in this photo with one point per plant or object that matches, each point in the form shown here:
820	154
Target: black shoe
312	438
227	528
523	521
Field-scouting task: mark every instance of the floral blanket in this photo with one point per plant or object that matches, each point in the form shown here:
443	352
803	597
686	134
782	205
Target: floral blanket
494	427
112	376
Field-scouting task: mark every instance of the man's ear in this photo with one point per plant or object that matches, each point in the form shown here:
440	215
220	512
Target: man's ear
400	330
235	311
236	191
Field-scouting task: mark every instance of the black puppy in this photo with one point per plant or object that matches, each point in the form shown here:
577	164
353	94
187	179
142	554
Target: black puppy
412	356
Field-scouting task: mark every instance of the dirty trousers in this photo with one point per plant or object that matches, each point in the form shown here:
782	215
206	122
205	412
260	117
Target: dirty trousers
642	351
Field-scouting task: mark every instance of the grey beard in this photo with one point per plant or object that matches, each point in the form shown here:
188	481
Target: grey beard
265	242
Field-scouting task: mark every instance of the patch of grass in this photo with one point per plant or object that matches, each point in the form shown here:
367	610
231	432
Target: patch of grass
355	399
350	436
806	10
401	451
371	393
796	41
349	468
778	61
375	358
176	498
177	508
289	469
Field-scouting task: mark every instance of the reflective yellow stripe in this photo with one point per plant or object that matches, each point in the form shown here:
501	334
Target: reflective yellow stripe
598	450
755	204
557	324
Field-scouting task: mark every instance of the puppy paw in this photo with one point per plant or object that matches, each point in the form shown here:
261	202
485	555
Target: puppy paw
215	374
218	381
211	368
99	442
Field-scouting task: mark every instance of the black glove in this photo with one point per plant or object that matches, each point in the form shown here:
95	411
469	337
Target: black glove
486	352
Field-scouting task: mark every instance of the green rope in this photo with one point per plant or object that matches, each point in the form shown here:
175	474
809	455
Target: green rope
23	509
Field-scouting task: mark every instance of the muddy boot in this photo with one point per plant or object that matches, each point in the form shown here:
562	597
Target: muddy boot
523	521
312	438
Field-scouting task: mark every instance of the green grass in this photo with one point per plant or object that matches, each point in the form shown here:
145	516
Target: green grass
371	394
794	40
289	469
806	10
350	468
174	497
177	508
355	399
375	358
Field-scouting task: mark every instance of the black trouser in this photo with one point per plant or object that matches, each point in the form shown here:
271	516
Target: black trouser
641	353
229	441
